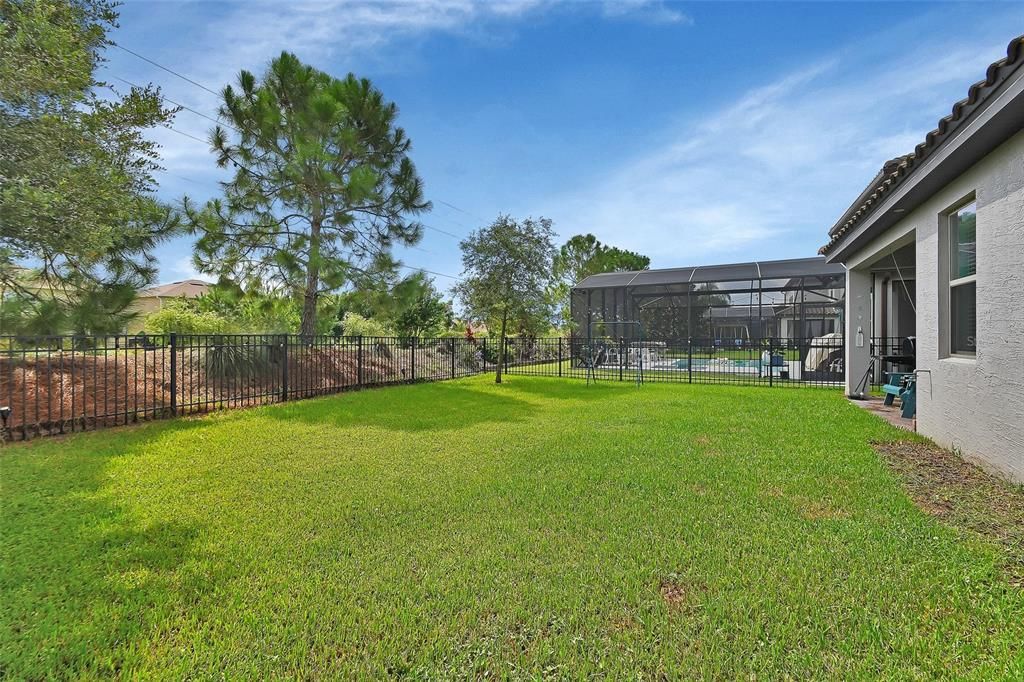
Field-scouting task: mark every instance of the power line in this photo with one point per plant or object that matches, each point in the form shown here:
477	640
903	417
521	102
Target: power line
170	71
411	246
197	139
182	177
453	206
188	135
418	248
214	92
183	106
438	229
430	272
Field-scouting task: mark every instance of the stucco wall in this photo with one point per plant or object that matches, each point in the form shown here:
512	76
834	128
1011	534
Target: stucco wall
976	406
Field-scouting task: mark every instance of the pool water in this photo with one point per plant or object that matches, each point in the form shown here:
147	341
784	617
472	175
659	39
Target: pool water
716	363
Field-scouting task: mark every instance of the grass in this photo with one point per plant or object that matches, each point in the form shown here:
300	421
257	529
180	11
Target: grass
538	528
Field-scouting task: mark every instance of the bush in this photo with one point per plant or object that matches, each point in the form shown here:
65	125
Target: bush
469	356
178	316
489	352
354	324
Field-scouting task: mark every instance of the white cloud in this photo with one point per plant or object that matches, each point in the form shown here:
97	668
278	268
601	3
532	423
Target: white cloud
653	11
219	43
767	175
181	269
248	35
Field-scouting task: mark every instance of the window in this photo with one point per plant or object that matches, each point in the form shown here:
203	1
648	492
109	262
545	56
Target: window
963	269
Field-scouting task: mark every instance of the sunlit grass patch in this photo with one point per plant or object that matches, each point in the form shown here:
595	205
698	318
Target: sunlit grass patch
541	527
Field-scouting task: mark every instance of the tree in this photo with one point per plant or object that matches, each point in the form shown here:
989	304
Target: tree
322	185
582	256
507	270
424	312
409	306
76	171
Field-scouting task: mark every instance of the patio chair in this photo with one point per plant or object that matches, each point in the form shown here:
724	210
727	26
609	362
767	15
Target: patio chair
902	385
908	399
895	385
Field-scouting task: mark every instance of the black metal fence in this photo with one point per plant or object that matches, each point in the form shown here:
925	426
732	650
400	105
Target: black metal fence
54	385
768	362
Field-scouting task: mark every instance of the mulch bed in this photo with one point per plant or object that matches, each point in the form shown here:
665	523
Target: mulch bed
964	496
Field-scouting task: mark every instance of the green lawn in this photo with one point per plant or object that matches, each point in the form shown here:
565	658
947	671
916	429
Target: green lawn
539	528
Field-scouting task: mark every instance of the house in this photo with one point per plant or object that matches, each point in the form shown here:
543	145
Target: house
934	249
153	299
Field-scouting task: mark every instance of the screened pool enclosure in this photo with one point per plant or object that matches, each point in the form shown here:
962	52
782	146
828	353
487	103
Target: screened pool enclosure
726	305
767	321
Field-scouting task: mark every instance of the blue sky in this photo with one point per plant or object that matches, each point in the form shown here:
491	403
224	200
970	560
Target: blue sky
692	132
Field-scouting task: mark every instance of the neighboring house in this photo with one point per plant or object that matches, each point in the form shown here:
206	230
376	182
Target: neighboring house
934	248
154	298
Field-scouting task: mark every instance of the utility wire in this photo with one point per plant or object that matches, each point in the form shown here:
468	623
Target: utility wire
429	272
438	229
205	142
183	106
170	71
407	267
214	92
453	206
188	135
197	139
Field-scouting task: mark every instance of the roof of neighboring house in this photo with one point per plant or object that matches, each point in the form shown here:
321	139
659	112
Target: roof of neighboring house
895	171
188	288
770	269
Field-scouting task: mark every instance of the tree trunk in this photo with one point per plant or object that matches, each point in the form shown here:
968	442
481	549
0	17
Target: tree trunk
312	291
501	347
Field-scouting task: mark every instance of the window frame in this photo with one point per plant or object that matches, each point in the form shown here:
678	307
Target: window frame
951	282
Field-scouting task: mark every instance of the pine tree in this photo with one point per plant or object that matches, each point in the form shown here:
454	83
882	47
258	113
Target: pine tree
78	216
322	184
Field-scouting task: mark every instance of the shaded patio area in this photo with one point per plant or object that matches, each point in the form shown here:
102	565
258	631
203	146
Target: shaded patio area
890	413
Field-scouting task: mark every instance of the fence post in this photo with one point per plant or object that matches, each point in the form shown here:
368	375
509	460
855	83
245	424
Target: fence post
483	353
842	354
559	356
771	361
284	367
503	359
455	344
622	346
413	358
174	373
689	359
359	360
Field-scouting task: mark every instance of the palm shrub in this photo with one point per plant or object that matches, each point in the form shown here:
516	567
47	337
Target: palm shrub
232	358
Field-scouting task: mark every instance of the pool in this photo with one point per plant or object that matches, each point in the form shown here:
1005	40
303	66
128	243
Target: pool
716	364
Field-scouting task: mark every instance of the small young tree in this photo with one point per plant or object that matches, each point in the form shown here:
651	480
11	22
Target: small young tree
507	270
322	187
422	311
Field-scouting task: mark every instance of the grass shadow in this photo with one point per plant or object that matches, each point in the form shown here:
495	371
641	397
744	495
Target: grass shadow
81	572
564	388
453	406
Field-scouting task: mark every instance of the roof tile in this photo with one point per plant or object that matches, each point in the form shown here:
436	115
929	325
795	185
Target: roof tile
896	170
